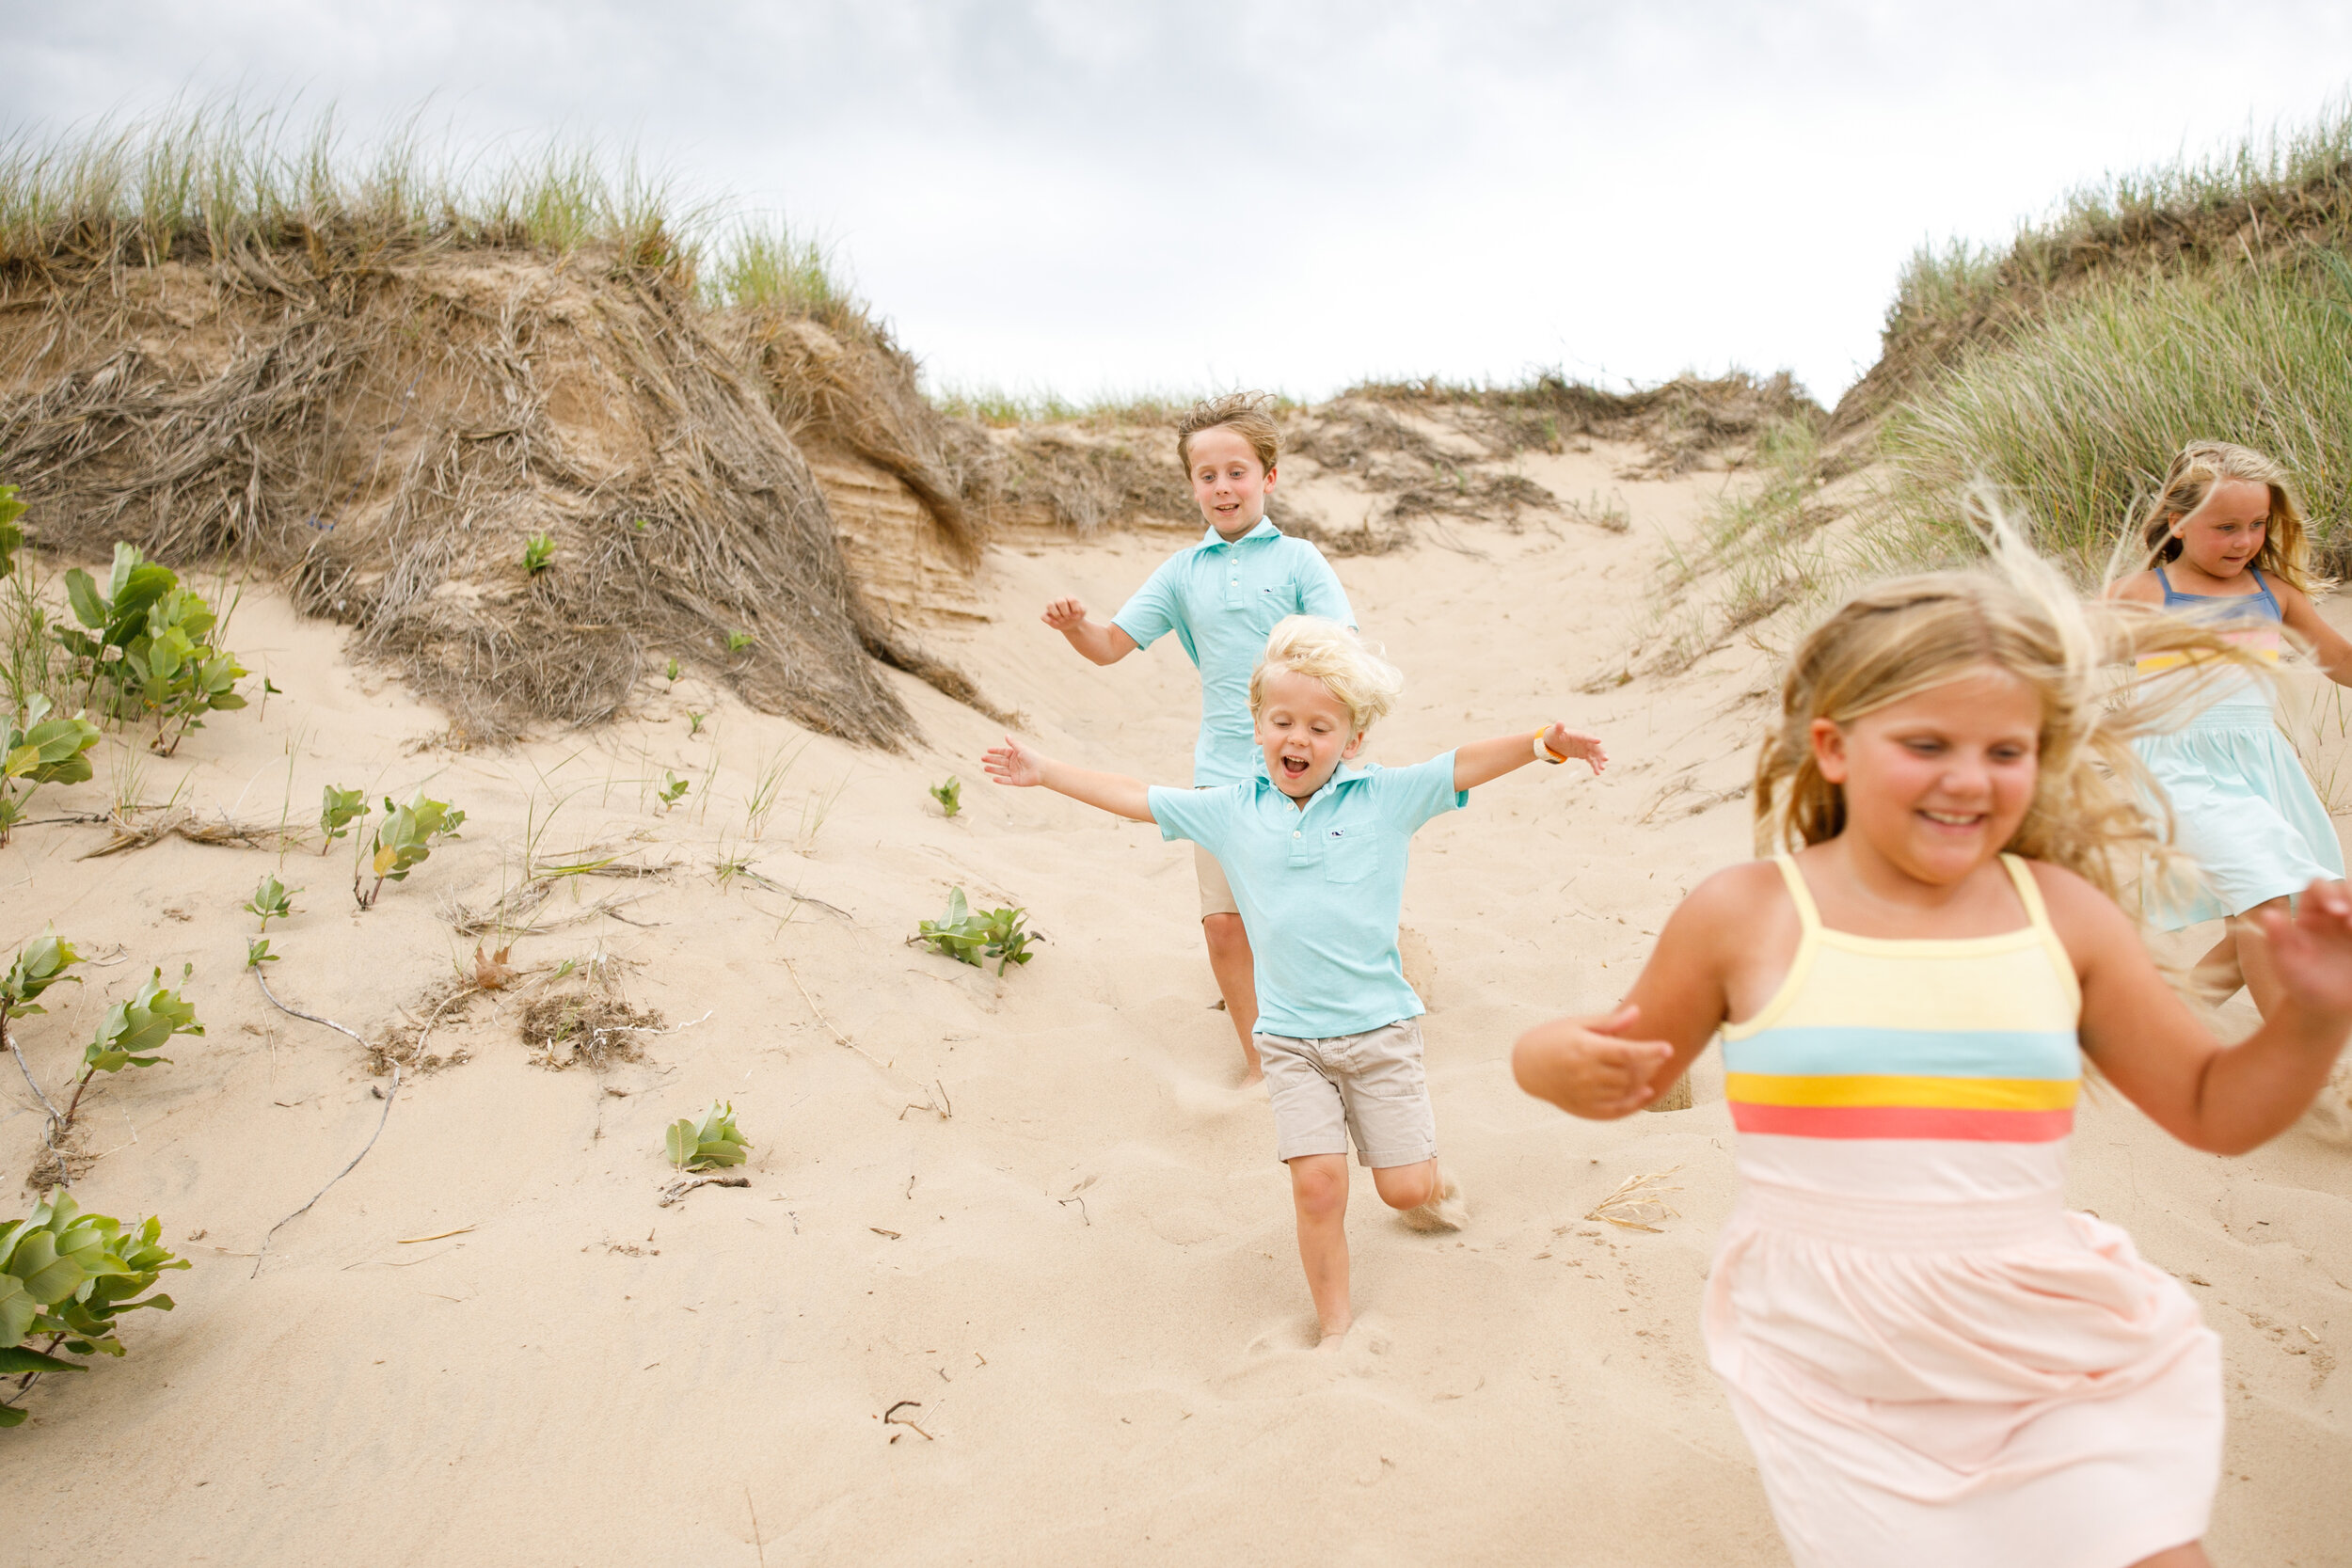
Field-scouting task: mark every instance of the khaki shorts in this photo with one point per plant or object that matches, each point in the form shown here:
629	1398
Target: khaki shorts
1217	893
1370	1086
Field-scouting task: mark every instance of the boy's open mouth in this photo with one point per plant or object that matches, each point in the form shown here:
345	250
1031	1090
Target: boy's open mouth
1294	767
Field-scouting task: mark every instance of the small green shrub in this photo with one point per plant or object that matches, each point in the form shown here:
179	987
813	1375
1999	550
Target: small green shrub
403	840
133	1032
338	811
970	936
673	789
69	1275
538	553
36	749
949	795
272	900
739	640
694	724
149	641
712	1144
672	671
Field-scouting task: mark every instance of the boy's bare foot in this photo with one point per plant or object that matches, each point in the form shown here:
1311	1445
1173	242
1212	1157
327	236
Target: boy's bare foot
1334	1338
1442	1210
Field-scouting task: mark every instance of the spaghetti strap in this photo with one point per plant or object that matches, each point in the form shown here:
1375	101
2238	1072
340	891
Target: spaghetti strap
1807	915
2037	912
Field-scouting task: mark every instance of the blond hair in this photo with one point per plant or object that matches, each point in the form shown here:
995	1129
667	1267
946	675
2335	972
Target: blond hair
1365	683
1895	640
1244	413
2188	483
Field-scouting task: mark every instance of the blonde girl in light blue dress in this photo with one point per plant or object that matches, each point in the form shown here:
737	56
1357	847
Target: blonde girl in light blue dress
2224	543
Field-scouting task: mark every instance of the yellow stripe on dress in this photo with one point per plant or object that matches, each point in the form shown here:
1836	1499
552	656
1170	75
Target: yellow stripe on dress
1895	1089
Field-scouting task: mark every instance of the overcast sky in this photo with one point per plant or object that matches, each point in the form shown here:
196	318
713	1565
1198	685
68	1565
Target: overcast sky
1104	197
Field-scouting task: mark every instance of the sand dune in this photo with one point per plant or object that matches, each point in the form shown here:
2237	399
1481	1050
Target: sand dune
1078	1290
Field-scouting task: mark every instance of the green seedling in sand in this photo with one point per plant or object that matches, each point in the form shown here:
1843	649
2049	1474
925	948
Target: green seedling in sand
694	724
538	553
673	789
38	964
739	640
133	1032
272	900
971	936
713	1144
149	639
257	953
949	795
12	536
339	809
36	749
672	670
68	1276
403	840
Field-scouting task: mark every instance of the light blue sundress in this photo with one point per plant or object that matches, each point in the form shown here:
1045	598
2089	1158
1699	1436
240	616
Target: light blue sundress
2243	807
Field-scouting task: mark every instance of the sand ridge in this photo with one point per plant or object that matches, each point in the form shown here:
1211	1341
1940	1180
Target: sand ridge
1077	1291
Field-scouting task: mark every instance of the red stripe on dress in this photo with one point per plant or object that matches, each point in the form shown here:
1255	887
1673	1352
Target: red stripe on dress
1903	1121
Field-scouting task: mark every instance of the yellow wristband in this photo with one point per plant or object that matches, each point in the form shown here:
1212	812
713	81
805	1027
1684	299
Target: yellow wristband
1543	752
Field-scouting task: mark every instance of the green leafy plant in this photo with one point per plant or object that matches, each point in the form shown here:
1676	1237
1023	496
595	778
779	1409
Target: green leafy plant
12	536
971	936
673	789
403	840
69	1275
36	749
38	964
694	724
272	900
672	671
149	639
257	953
132	1033
338	810
538	553
710	1144
949	795
739	640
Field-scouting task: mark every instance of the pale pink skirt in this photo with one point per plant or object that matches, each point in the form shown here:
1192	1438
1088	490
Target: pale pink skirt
1956	1386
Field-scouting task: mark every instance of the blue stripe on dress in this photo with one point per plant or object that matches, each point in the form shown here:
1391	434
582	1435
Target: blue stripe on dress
1842	1049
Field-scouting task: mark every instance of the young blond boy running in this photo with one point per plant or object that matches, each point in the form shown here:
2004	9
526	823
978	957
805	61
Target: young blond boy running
1316	858
1220	597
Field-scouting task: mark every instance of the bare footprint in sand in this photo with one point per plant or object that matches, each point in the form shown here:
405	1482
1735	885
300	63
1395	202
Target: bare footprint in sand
1295	1358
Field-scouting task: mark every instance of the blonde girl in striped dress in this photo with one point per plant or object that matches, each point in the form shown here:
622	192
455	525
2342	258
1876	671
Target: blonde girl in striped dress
2223	544
1935	1362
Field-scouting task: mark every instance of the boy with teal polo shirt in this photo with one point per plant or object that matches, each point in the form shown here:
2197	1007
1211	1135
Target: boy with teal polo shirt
1316	856
1220	597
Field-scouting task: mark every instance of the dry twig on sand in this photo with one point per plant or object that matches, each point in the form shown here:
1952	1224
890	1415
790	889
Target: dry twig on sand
938	1104
1637	1200
679	1188
179	823
262	980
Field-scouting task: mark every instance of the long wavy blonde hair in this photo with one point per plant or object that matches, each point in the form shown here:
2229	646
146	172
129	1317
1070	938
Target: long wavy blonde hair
2200	465
1897	639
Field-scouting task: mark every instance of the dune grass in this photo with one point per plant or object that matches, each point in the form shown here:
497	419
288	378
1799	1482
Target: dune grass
2073	418
1006	407
204	182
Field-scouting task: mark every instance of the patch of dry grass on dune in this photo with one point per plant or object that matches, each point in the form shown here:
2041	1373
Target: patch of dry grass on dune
222	338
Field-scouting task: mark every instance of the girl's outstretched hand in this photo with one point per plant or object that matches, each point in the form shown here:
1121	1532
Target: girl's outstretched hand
1566	742
1586	1065
1014	764
2312	949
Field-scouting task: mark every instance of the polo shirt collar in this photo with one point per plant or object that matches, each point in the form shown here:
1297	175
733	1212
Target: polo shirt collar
1210	539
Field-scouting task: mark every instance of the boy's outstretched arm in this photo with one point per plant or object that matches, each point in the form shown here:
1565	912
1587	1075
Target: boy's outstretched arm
1484	761
1100	641
1015	764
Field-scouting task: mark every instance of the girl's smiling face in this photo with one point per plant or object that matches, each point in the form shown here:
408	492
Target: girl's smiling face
1938	784
2225	534
1306	731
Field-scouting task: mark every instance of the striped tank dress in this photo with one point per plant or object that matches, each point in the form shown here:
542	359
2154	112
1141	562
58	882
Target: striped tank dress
1935	1362
2243	807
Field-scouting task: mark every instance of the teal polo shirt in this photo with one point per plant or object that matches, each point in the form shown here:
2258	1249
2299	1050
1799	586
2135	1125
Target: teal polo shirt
1222	600
1320	889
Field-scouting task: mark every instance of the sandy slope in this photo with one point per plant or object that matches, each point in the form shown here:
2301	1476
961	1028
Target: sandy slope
1085	1277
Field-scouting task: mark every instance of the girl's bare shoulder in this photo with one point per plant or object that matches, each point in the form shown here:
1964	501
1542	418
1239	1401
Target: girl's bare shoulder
2139	588
1736	895
2084	917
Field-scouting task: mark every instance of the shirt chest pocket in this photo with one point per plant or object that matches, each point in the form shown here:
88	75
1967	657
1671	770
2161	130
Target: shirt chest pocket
1350	853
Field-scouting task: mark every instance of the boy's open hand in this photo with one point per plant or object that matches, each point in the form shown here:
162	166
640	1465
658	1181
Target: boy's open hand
1588	1067
1015	764
1066	614
1564	741
2312	949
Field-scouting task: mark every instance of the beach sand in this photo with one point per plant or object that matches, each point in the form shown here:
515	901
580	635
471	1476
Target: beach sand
1078	1293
